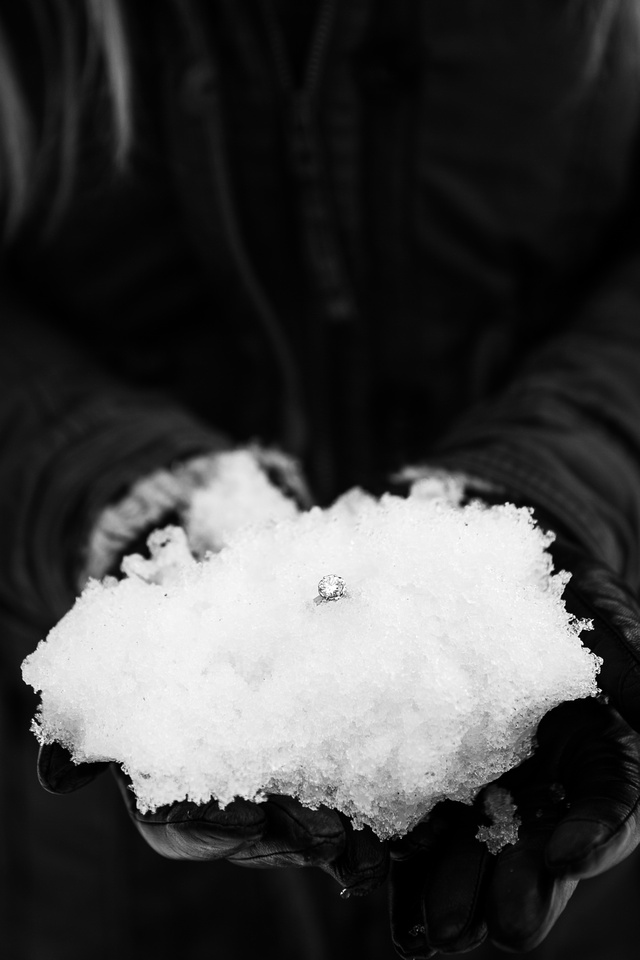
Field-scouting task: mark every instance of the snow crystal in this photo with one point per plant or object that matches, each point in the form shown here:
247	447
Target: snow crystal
224	678
500	809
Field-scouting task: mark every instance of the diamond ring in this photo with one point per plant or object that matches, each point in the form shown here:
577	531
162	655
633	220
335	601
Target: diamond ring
330	588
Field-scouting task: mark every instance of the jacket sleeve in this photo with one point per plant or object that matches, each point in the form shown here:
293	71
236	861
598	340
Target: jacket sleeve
71	440
565	435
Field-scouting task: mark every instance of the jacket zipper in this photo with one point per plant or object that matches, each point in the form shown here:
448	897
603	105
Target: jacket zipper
317	51
341	446
327	266
294	427
319	44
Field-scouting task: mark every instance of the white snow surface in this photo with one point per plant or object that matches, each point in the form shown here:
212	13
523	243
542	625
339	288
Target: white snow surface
224	678
238	494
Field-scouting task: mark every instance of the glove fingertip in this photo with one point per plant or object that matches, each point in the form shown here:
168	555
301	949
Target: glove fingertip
318	833
586	850
363	865
58	774
574	846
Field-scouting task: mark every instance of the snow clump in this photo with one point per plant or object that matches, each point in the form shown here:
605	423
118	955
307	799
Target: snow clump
230	677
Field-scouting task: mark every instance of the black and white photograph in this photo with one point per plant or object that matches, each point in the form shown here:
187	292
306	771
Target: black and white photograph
319	479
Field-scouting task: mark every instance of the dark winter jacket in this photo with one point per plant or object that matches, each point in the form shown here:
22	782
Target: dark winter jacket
418	243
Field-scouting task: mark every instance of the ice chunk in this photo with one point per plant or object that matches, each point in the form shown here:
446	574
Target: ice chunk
425	679
504	821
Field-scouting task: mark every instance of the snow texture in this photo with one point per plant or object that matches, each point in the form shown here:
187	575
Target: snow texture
229	677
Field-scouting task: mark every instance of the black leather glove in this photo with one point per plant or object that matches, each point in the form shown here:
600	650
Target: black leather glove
578	799
278	832
445	883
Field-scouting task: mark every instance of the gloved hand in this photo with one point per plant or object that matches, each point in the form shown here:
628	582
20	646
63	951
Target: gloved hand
578	799
278	832
446	882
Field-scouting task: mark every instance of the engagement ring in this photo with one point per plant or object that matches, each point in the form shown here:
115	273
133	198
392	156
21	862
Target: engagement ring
330	587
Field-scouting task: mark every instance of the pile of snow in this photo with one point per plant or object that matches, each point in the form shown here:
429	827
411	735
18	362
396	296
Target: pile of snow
229	677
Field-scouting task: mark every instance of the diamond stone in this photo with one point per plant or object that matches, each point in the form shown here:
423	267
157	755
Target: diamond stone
331	587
